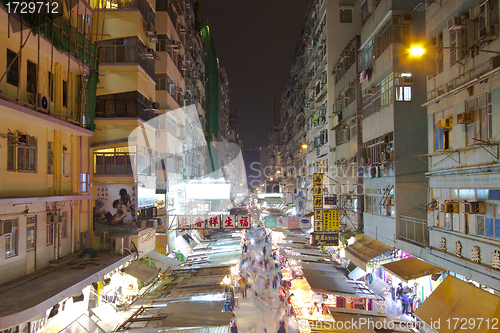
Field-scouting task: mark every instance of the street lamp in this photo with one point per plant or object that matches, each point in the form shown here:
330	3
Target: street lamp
304	146
417	51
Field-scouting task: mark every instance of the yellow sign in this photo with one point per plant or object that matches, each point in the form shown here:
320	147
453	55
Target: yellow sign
318	225
331	219
318	178
318	190
318	215
318	202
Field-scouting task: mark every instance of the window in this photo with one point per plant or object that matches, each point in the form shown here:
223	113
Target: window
10	233
403	94
64	225
30	233
346	15
386	90
13	72
65	94
84	182
66	164
114	160
440	57
21	152
50	230
50	156
31	77
160	81
442	136
492	227
481	128
51	86
163	42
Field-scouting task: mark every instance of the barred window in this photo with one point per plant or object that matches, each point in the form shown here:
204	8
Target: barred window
21	152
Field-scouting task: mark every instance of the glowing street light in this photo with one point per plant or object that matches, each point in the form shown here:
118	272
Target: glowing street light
304	146
417	51
278	171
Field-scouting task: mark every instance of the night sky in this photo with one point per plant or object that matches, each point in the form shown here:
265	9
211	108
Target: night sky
255	42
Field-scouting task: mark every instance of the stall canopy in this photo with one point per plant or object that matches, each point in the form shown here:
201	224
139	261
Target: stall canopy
454	298
141	271
365	250
328	282
411	268
162	261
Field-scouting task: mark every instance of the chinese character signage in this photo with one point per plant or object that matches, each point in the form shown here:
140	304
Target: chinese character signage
229	222
282	222
244	221
270	222
318	202
325	239
318	178
214	222
184	222
330	201
288	222
331	219
198	222
318	190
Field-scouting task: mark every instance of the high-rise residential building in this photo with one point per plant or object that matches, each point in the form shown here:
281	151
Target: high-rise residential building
461	228
50	67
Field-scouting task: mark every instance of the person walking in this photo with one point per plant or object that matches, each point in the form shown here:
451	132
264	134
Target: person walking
406	301
243	283
234	327
267	285
275	281
282	327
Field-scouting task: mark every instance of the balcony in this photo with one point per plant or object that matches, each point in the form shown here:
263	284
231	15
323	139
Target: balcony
128	50
128	104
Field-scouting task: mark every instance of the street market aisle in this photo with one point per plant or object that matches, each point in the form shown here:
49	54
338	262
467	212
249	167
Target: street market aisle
261	312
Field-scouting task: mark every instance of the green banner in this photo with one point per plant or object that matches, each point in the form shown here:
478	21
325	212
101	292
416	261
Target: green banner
271	222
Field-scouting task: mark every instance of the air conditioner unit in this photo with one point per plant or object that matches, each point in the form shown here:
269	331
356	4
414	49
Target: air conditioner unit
370	91
455	23
155	105
179	158
389	202
476	207
388	156
485	35
182	29
449	207
444	123
352	84
366	160
121	244
406	18
406	80
171	155
43	102
151	223
465	118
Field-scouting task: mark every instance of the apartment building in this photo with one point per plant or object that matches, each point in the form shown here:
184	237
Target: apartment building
462	92
47	98
394	124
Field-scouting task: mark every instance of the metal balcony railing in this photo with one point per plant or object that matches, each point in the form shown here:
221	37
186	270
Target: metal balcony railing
414	230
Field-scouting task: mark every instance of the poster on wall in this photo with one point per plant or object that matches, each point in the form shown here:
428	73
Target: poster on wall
105	214
145	196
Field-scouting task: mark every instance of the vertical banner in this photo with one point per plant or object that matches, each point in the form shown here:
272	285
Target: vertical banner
318	201
305	222
214	222
282	222
183	221
229	222
270	222
198	222
244	221
293	222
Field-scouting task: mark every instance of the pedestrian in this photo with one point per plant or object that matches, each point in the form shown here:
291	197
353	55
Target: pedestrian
325	309
275	281
234	327
243	283
282	327
406	301
282	295
267	285
264	251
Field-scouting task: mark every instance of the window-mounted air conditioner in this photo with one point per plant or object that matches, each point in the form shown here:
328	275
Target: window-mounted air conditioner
449	207
476	207
444	123
465	117
406	18
370	91
352	84
43	102
455	23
